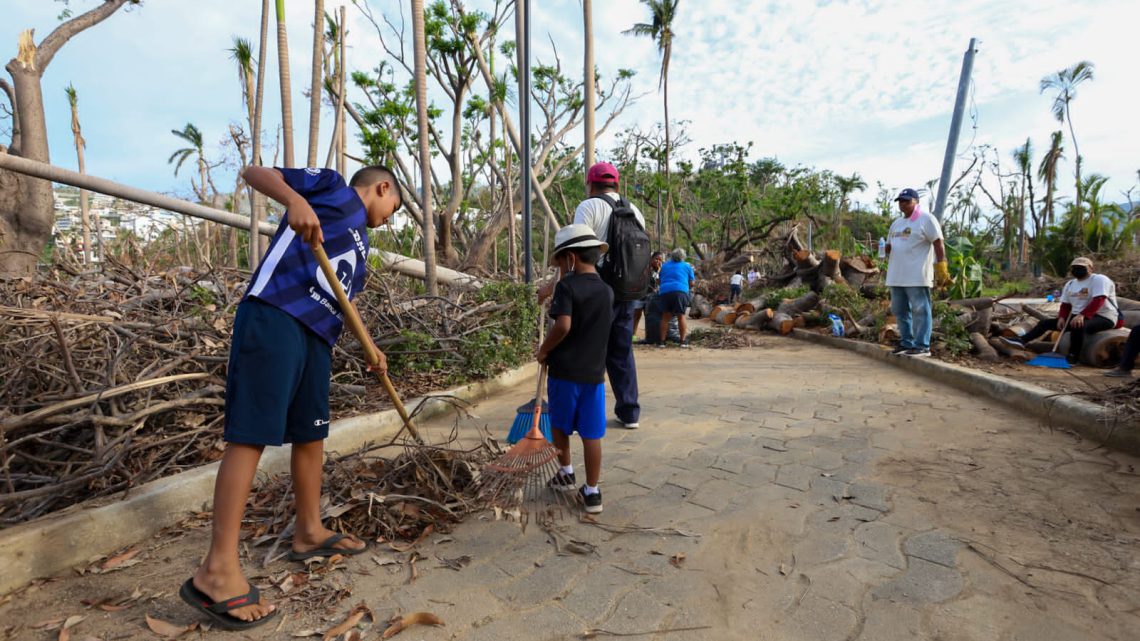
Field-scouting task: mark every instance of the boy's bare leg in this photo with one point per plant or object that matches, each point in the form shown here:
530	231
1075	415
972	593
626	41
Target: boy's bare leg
592	452
306	462
562	442
220	577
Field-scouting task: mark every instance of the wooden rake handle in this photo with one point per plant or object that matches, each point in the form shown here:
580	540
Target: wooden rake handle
352	318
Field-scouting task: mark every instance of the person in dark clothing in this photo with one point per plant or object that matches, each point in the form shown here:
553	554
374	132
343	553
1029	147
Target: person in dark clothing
575	354
1088	301
1128	356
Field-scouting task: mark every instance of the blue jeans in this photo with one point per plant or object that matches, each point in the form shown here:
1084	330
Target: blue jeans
620	365
911	306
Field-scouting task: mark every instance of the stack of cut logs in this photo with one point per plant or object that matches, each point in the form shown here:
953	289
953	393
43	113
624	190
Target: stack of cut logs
783	317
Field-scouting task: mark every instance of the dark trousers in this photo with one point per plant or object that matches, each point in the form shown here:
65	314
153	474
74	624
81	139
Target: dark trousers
734	293
620	366
1131	349
1076	337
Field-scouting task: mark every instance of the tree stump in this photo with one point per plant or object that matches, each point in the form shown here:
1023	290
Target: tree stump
1102	349
782	323
857	269
982	348
829	270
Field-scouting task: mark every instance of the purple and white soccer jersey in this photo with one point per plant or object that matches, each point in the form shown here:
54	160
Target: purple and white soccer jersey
290	278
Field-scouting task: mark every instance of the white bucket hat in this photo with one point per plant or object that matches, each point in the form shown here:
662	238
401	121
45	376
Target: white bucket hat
577	236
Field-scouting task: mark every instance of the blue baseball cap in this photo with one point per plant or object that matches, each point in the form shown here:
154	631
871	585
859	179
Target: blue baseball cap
907	194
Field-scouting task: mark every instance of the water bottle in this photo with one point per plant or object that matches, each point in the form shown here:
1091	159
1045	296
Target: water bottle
882	247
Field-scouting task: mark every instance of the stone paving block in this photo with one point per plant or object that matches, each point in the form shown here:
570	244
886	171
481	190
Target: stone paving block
757	471
797	477
690	479
715	494
866	455
818	619
847	581
557	575
519	557
732	461
636	612
936	546
875	497
653	477
831	414
886	621
827	489
816	550
549	623
699	459
880	542
825	459
780	454
802	427
594	596
922	583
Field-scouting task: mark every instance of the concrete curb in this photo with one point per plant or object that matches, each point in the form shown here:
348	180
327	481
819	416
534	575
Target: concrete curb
55	543
1088	419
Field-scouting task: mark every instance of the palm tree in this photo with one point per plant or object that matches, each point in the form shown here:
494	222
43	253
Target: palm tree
80	143
315	88
660	29
1065	83
191	135
420	51
846	186
1023	157
257	201
1047	172
286	89
588	79
1107	228
242	54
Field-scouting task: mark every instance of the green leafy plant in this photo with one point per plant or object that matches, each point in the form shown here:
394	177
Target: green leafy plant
967	274
955	336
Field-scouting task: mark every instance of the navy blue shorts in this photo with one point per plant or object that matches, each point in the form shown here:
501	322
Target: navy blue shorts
674	302
277	387
577	407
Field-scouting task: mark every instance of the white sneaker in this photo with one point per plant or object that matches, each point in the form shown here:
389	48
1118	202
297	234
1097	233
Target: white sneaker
630	426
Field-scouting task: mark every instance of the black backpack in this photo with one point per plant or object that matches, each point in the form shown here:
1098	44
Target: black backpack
625	267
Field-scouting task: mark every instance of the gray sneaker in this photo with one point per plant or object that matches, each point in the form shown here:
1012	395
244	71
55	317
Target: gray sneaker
1119	373
917	353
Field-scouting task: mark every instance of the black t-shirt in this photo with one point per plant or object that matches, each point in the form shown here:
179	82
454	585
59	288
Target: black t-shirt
588	301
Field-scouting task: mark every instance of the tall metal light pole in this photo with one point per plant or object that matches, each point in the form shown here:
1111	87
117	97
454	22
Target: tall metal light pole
522	26
955	129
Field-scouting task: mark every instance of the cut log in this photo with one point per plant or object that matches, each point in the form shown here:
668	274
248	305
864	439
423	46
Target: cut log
1127	304
829	270
782	323
760	319
982	348
805	261
1019	329
794	306
871	290
889	334
1036	313
742	319
701	308
716	309
857	269
1102	349
1131	317
980	321
1007	350
742	308
799	321
725	316
975	303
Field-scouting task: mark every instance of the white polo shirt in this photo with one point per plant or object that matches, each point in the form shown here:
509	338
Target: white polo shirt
911	261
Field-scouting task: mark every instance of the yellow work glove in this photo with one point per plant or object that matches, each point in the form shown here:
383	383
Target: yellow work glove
942	274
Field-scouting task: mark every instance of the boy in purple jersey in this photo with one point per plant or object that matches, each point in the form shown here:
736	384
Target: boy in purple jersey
277	385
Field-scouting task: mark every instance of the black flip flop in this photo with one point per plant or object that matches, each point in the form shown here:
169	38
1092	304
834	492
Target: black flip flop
328	548
219	611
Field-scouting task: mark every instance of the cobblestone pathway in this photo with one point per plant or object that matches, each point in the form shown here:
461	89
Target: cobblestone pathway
835	498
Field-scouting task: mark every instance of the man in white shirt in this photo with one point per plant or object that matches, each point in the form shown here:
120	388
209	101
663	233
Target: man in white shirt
603	179
1088	301
735	285
912	240
752	276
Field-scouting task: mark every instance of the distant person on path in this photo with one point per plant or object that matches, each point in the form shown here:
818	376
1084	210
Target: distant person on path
911	273
1128	356
1088	301
654	282
575	353
277	385
677	278
753	276
735	285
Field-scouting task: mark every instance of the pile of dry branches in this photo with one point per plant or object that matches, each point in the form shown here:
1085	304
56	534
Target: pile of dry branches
115	377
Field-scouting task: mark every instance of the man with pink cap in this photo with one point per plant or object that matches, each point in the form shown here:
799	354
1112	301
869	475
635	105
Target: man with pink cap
602	181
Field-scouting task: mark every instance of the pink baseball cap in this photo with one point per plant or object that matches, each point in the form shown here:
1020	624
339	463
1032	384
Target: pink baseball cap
602	172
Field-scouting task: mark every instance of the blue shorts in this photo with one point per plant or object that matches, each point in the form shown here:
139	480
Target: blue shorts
577	407
277	386
674	302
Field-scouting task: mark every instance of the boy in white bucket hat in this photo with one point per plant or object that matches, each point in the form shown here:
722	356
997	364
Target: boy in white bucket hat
574	352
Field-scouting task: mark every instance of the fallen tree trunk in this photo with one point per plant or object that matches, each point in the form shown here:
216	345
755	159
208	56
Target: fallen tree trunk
829	270
1127	304
782	323
984	302
759	320
1009	351
701	308
796	306
1131	317
1102	349
724	316
1019	329
745	308
807	265
856	270
979	320
742	320
1036	313
982	348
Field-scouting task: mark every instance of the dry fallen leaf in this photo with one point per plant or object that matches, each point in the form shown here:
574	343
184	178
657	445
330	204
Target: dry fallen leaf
833	519
783	569
166	629
119	560
72	621
398	624
355	616
677	559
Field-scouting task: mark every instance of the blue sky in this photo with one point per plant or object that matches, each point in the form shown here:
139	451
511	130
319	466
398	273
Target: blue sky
864	86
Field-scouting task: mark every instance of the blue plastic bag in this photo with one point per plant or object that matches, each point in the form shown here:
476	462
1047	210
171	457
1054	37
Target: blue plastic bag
836	325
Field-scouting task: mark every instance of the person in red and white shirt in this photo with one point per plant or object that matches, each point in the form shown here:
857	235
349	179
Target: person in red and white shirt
1088	301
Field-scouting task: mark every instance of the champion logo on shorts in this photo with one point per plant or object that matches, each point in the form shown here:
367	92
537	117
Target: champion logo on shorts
320	422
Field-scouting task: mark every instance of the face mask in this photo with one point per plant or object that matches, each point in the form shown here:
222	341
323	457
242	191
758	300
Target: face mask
1080	272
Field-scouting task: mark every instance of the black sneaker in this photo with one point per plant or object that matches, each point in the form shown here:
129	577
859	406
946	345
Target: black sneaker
562	482
899	349
1016	342
917	353
591	502
1119	373
1073	359
685	344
